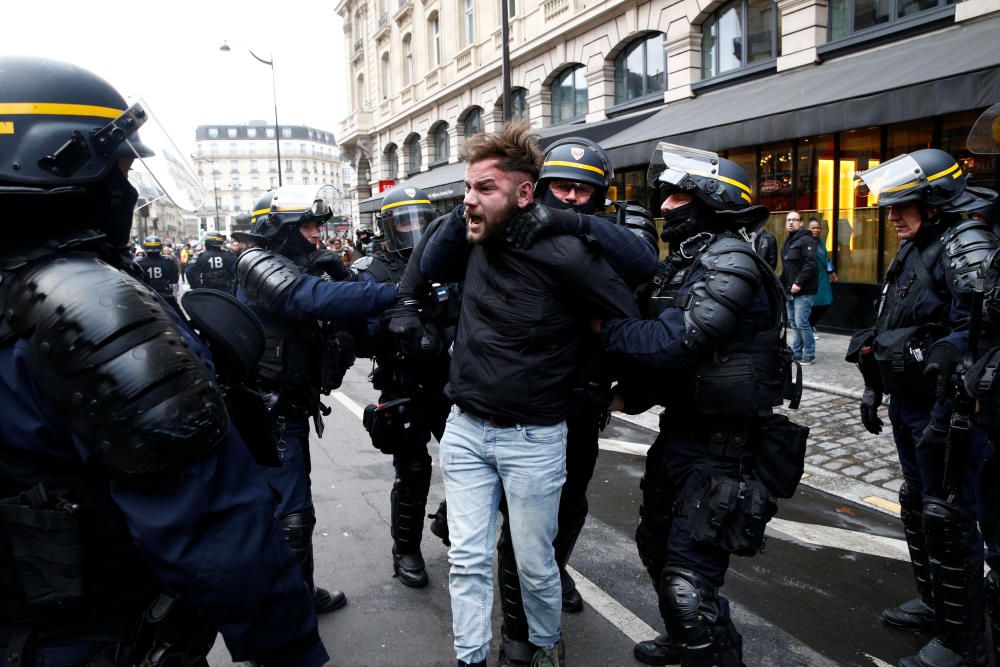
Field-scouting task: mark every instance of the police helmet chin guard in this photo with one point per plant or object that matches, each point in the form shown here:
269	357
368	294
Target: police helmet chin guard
579	160
405	213
928	176
718	183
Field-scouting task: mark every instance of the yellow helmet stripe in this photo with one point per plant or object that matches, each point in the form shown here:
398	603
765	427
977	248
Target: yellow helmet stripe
283	209
57	109
406	203
746	196
261	211
944	173
578	165
897	188
724	179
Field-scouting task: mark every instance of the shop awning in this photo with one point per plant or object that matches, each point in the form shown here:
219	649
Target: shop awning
949	70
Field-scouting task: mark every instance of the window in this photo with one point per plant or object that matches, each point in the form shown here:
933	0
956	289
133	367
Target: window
519	104
213	133
305	165
234	165
569	95
386	76
850	16
469	24
253	166
286	133
407	60
640	69
272	165
251	133
413	155
441	143
232	149
360	92
435	45
391	163
726	46
231	132
269	131
288	166
213	149
473	123
511	9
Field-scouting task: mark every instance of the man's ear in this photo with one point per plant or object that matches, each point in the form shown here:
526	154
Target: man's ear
525	193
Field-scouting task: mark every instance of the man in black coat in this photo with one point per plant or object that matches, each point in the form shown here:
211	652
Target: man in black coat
800	276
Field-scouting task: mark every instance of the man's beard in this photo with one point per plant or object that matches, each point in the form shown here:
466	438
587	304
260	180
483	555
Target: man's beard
490	226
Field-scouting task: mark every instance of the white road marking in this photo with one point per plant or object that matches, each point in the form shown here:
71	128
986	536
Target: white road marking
349	403
878	661
610	445
841	538
631	625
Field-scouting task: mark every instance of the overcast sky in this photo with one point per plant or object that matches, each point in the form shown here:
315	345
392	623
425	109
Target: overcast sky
167	52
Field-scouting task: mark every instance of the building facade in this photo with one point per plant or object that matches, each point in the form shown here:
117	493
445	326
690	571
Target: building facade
802	93
239	163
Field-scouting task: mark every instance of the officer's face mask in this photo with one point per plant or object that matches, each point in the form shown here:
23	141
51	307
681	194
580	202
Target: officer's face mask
111	204
680	223
550	200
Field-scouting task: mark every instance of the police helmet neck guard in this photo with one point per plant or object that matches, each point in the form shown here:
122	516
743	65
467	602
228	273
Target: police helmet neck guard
579	160
405	213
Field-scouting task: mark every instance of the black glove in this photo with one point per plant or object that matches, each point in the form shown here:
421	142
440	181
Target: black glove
870	400
329	262
537	221
935	435
405	323
942	359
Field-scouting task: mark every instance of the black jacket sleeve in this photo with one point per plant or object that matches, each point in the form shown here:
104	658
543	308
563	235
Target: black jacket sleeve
809	273
446	254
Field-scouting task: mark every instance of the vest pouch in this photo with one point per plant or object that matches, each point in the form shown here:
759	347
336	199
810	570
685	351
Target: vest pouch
900	355
728	512
725	385
338	356
42	531
780	455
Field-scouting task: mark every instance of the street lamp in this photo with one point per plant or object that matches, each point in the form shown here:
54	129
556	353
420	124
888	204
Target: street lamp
274	92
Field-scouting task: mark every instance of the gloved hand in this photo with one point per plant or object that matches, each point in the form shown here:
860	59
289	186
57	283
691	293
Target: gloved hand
870	400
942	359
537	221
935	435
405	323
329	262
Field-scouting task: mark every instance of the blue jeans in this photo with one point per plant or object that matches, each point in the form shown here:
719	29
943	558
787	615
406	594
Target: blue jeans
528	463
803	343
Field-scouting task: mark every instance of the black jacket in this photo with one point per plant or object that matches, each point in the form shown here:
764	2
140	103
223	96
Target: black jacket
799	262
523	318
766	247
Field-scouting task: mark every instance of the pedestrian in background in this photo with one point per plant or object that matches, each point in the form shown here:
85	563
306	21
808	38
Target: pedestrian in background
825	275
799	269
766	247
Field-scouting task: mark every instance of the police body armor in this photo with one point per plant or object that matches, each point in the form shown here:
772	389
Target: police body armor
216	275
108	358
156	269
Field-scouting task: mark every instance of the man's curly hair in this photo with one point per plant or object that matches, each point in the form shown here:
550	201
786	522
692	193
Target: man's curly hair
514	146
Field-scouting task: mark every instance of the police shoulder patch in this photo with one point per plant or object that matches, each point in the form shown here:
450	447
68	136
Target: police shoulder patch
363	264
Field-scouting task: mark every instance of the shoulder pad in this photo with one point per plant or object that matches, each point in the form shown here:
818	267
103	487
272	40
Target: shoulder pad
104	352
363	263
265	275
967	247
717	300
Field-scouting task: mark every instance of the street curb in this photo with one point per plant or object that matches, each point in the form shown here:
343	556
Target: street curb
832	389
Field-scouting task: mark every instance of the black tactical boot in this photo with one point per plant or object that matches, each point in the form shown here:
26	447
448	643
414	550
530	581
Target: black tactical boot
326	601
659	651
572	602
936	654
515	652
911	615
410	569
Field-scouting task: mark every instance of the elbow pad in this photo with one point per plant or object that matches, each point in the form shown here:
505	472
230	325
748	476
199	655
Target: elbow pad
716	302
265	275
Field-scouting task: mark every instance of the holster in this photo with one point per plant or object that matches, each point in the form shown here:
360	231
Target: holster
728	512
174	635
390	424
338	355
900	355
779	458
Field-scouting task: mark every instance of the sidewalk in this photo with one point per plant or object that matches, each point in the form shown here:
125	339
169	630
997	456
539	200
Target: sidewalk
842	457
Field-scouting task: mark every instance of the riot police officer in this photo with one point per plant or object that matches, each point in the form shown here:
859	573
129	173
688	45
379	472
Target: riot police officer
301	359
215	267
161	272
711	475
410	380
365	242
921	329
120	472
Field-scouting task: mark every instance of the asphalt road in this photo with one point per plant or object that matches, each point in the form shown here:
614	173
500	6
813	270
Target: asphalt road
813	598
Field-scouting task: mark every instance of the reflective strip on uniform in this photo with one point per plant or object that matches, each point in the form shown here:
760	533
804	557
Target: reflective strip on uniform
406	203
578	165
56	109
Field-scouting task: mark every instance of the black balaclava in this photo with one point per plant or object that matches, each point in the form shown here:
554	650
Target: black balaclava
684	222
110	205
293	245
589	208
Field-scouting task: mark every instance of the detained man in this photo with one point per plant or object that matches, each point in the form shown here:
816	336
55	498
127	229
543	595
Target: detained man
513	365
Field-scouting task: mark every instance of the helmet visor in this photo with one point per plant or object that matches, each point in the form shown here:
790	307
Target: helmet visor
890	181
984	137
404	225
160	170
315	204
673	166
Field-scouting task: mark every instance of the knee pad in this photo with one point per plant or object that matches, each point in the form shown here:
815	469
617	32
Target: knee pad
950	530
698	620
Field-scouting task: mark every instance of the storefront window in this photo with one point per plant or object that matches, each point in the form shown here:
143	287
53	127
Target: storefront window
954	132
631	186
857	228
774	174
909	137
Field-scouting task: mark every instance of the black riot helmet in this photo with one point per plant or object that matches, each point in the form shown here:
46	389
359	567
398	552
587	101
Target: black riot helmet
928	176
68	135
405	213
289	207
214	240
719	184
577	160
152	245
